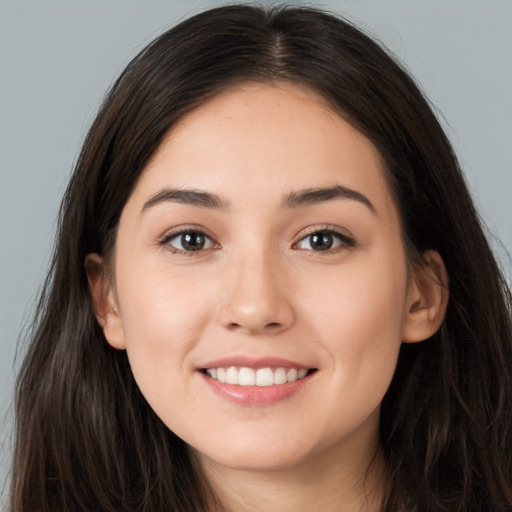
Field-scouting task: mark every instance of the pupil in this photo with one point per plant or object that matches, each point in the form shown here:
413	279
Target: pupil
193	241
321	241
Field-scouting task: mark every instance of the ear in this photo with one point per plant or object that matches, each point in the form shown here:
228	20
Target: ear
427	298
104	301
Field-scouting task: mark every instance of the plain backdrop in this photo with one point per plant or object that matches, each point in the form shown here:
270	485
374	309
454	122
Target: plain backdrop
57	58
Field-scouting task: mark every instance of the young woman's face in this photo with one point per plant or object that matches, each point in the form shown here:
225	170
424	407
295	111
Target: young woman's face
262	247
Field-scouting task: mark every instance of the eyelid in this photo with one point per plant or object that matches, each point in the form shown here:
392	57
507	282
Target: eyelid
183	229
348	240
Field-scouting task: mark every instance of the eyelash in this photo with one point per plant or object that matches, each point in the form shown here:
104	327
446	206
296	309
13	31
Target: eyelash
345	241
189	230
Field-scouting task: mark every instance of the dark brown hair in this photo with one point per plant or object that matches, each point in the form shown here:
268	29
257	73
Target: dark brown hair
86	438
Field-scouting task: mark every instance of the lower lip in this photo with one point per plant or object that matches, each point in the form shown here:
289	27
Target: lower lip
256	396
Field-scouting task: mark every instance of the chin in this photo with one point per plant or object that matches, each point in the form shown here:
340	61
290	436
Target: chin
259	461
267	455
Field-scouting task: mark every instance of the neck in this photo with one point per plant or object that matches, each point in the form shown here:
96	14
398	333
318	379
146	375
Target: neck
329	481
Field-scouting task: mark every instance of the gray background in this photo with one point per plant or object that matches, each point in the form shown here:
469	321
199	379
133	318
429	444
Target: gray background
57	59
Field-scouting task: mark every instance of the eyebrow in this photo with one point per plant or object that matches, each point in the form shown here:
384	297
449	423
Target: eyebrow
300	198
186	196
313	196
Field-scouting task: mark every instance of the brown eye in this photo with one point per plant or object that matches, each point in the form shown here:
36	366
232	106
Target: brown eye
190	241
324	241
321	241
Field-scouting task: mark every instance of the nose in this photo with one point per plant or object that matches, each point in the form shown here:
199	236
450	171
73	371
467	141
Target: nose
256	298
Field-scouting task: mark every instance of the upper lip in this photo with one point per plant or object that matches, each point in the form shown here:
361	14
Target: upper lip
254	363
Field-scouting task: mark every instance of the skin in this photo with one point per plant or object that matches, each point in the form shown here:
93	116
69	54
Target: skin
259	289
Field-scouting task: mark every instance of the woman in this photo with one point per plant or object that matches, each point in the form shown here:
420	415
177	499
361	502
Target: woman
248	306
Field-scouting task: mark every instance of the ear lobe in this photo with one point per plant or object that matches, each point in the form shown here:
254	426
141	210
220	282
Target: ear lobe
427	299
104	302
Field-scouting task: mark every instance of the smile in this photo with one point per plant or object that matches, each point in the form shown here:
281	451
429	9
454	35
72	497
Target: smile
264	377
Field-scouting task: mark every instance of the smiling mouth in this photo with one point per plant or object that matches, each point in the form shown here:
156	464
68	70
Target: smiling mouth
263	377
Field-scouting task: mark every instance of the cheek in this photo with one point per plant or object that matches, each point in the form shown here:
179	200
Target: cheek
163	316
356	321
357	316
161	304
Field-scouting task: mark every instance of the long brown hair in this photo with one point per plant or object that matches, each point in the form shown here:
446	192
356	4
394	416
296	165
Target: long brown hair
86	438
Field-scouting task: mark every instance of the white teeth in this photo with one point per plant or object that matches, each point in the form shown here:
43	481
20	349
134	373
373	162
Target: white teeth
291	375
280	376
263	377
247	377
232	376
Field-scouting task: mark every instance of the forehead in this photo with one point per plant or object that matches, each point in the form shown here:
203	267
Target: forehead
265	139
